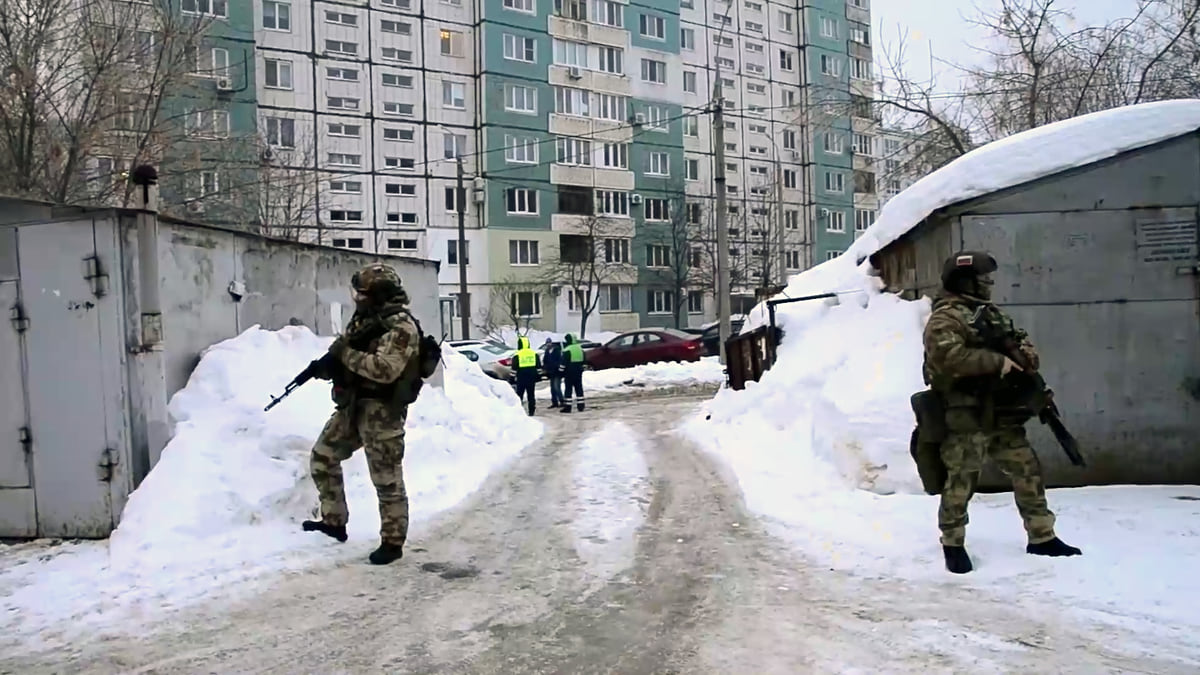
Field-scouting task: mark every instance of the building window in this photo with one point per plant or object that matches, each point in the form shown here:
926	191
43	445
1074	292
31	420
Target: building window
612	60
217	8
344	74
660	302
393	108
785	21
836	222
281	132
397	27
573	151
861	35
340	18
830	255
348	187
397	134
454	146
277	16
394	80
520	48
656	209
860	69
786	62
402	244
616	251
658	164
394	54
611	107
692	169
864	182
452	252
527	304
341	47
791	260
658	255
829	27
523	252
454	95
520	150
570	53
831	66
345	216
615	156
568	101
521	201
451	43
343	159
353	242
689	81
612	203
834	143
452	201
209	124
616	298
695	302
863	218
519	5
791	220
654	71
278	74
520	99
571	9
609	13
344	130
687	38
653	27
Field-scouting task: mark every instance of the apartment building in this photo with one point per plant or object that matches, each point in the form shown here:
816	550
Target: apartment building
576	120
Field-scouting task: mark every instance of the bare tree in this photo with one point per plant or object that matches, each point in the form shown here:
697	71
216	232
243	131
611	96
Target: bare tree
595	254
514	302
86	94
289	191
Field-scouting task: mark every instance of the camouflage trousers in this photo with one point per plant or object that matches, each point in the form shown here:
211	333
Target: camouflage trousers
963	453
380	432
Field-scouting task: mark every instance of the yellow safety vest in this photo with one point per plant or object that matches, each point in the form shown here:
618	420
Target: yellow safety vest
526	358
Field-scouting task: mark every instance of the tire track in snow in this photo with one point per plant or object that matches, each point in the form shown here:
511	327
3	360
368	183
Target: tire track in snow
611	496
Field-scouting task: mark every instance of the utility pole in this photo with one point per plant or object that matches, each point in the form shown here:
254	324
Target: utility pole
722	215
779	219
464	298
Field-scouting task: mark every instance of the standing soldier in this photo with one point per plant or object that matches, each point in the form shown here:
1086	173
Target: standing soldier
552	363
965	372
374	363
526	364
573	356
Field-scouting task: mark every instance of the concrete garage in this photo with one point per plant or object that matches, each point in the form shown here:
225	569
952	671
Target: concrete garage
106	314
1100	264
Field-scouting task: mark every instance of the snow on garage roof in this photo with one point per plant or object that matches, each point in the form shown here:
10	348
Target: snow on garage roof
1025	157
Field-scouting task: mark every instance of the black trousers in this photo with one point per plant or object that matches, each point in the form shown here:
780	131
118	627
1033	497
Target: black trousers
526	387
573	379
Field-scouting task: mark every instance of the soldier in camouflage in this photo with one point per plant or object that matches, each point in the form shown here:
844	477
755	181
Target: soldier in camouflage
960	367
371	357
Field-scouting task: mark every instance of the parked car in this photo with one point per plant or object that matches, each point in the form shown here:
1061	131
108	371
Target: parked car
711	337
488	355
647	345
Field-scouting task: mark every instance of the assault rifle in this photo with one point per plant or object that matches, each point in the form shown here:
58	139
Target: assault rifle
1030	391
319	368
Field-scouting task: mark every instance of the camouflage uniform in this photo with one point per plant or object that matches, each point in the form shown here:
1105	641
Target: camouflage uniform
365	415
955	355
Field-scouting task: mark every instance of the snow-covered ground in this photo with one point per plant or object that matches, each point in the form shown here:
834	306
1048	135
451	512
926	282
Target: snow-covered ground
224	503
820	444
612	493
708	370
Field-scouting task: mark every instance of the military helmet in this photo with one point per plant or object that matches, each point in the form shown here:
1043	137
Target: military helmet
377	281
973	263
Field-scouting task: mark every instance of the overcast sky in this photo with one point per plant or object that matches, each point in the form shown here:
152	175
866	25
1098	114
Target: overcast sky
942	26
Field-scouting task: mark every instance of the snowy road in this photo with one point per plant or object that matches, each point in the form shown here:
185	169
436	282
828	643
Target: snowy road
612	546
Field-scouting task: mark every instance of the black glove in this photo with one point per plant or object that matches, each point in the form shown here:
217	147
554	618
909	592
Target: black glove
318	369
338	347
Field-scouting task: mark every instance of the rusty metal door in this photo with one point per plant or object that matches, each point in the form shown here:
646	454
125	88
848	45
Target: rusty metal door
1110	298
75	420
18	517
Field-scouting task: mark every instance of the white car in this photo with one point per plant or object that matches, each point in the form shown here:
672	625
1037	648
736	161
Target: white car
487	355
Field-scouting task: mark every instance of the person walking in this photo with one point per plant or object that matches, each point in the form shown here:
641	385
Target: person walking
552	364
527	363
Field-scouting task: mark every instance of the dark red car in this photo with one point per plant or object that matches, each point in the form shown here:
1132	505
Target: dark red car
646	346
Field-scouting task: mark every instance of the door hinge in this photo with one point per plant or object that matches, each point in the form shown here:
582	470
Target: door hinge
26	439
18	317
94	273
108	463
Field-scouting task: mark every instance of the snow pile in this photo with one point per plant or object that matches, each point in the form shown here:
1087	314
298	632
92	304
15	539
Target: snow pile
612	491
707	371
225	501
508	335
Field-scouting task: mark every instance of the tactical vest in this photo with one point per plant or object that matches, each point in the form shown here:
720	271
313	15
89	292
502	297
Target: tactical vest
363	334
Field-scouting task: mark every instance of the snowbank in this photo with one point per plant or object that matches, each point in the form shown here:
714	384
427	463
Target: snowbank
708	370
225	501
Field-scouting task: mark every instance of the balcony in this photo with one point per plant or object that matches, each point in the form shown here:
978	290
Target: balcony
583	31
592	80
599	226
591	176
602	131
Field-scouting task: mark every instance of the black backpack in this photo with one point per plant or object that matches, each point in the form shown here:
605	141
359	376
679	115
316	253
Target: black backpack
429	354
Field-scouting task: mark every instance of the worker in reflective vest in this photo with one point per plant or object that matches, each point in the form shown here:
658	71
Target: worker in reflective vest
574	359
527	364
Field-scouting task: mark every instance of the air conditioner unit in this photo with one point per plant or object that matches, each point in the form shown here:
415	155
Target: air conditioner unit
635	198
224	84
478	182
268	155
639	118
575	73
824	213
479	195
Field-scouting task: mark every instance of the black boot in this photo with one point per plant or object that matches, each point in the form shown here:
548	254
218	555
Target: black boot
566	408
336	531
1054	548
957	560
579	407
386	553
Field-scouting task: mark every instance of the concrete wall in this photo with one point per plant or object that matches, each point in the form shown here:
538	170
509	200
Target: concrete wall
1100	265
284	282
